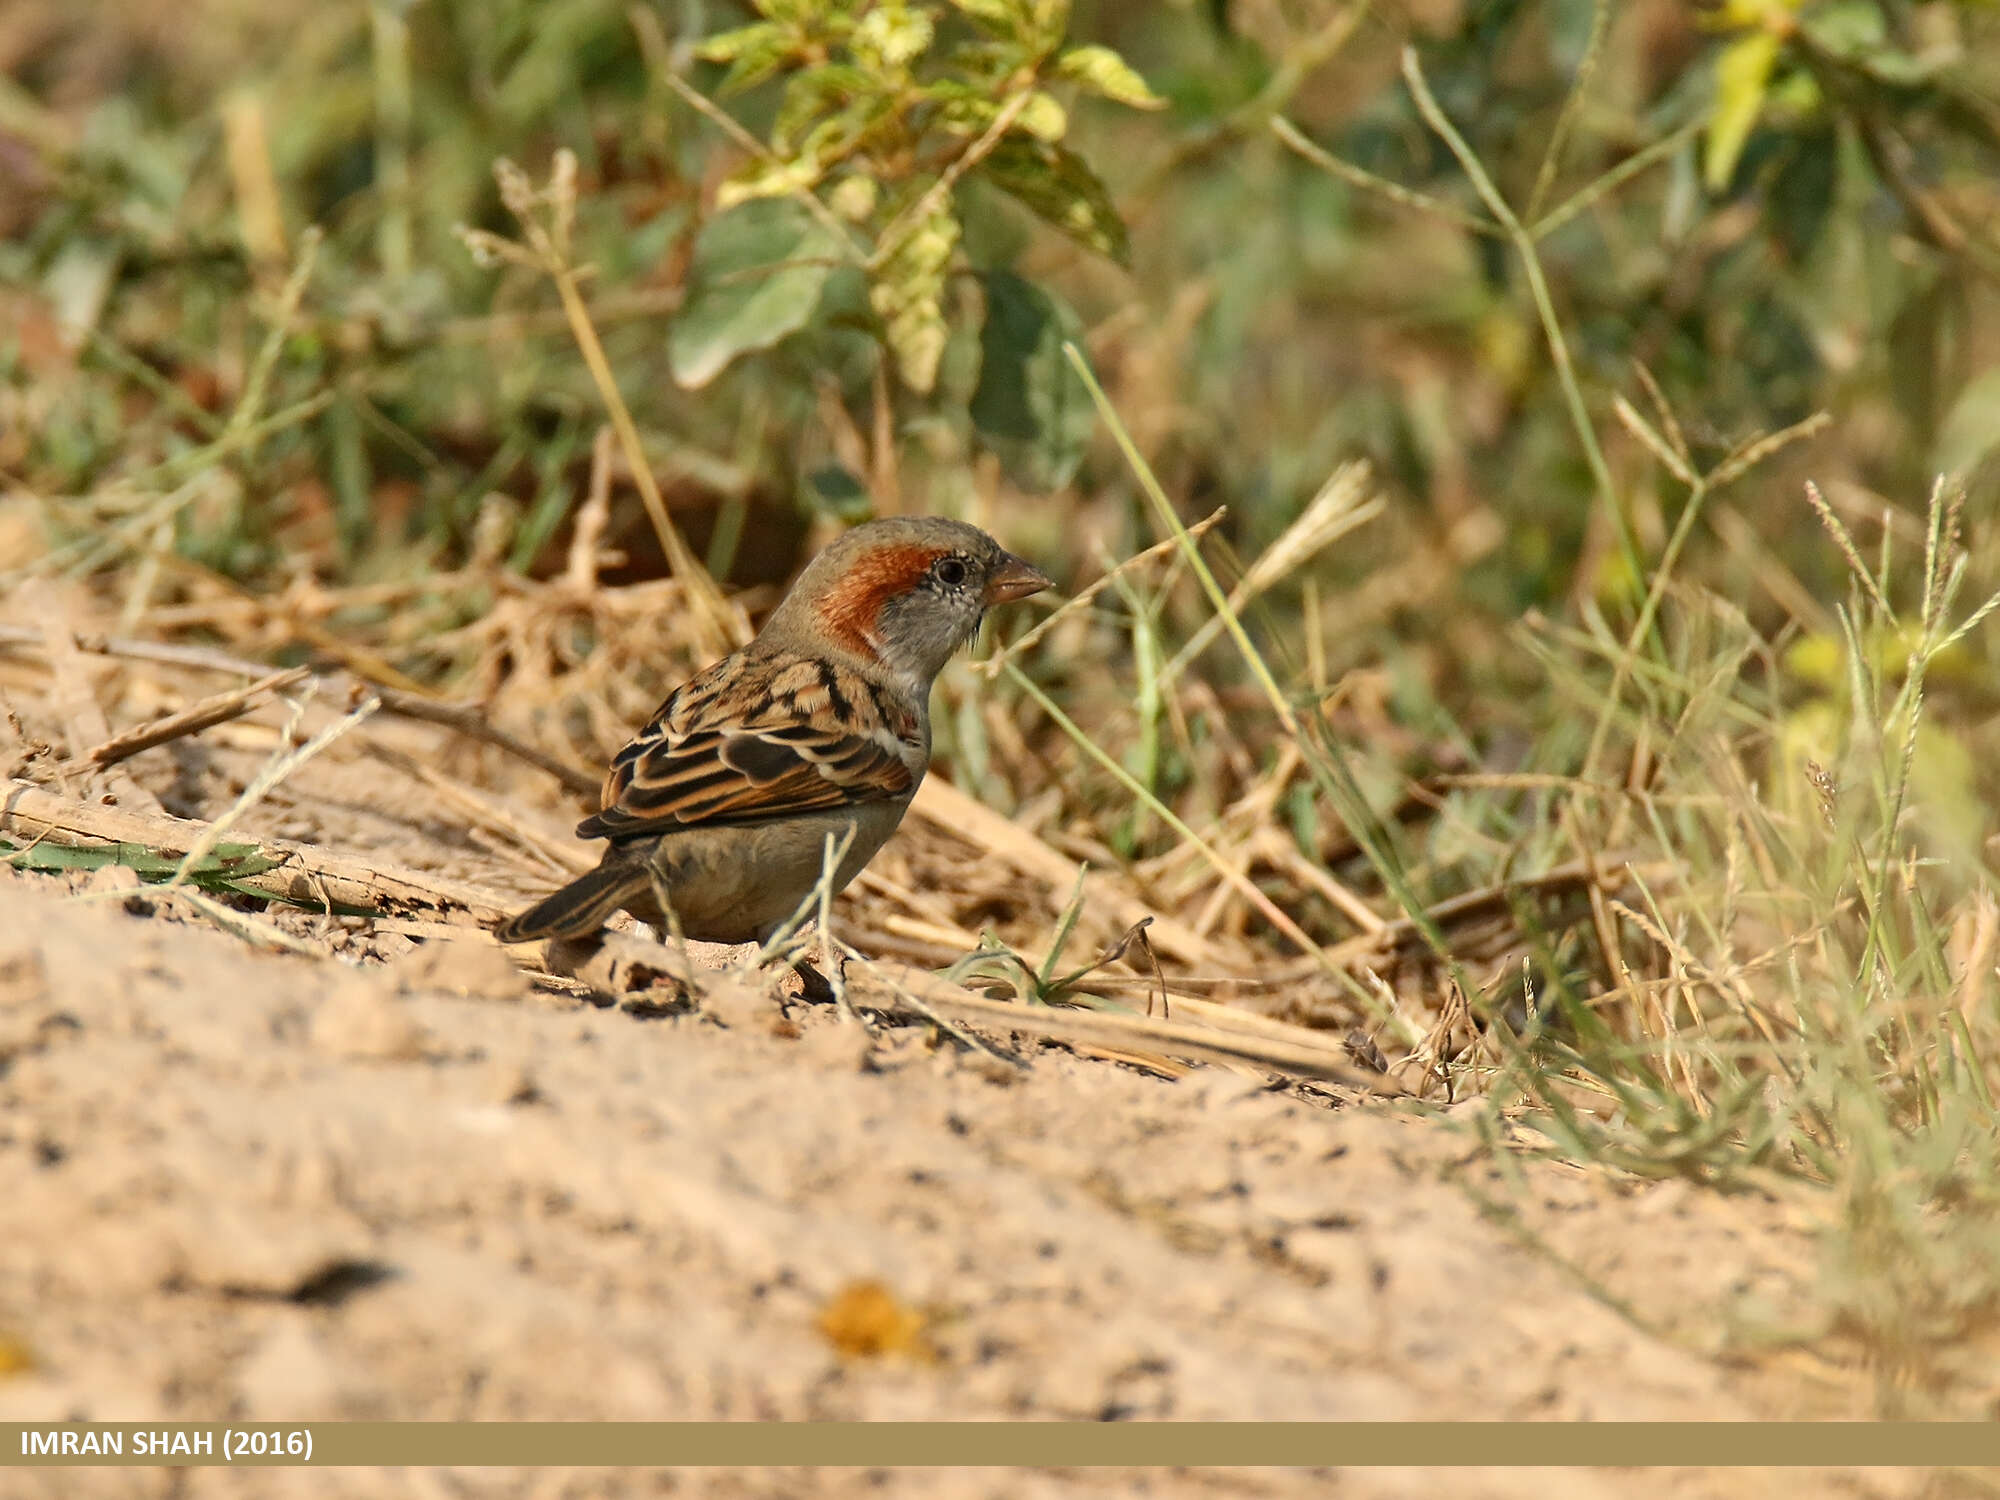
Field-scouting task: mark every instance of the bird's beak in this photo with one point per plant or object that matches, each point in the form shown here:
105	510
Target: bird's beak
1012	580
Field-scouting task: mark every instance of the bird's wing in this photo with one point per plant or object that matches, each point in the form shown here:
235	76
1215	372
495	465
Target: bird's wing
756	739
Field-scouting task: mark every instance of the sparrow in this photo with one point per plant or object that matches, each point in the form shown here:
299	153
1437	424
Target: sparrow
721	808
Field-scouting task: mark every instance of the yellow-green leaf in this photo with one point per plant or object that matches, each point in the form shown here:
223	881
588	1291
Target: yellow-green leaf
891	36
1043	118
1103	71
1742	74
907	294
727	46
777	179
1004	17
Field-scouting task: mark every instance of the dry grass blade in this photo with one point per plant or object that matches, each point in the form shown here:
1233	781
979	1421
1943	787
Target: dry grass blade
939	802
1082	597
1307	1054
552	848
468	721
275	771
1343	504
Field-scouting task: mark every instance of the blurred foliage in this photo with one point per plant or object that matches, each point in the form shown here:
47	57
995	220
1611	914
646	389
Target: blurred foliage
834	248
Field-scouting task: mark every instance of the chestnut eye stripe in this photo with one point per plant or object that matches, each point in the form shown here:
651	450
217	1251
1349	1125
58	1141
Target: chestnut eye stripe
852	614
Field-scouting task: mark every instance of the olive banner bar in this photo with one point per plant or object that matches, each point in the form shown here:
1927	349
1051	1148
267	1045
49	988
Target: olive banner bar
1003	1444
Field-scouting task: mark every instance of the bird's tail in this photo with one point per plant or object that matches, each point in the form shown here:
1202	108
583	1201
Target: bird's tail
580	908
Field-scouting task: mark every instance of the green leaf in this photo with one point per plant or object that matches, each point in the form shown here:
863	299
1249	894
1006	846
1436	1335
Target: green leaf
814	92
1059	186
1801	195
1742	73
835	491
1104	72
1030	406
1971	430
757	275
219	868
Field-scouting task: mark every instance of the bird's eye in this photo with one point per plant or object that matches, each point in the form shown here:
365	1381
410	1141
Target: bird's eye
951	572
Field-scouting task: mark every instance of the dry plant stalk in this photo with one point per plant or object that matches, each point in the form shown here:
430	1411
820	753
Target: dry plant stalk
306	876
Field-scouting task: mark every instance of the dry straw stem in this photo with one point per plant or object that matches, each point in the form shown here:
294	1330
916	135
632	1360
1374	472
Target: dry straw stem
1171	523
1229	872
1305	1053
719	625
1745	457
964	817
552	851
82	715
306	876
1082	598
1607	872
1382	187
196	717
1342	505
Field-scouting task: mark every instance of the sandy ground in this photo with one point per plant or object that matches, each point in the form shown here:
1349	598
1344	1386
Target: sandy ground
263	1186
397	1180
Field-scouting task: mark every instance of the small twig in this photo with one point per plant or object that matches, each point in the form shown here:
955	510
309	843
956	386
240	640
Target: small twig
194	718
465	719
1531	265
805	196
1638	162
966	1038
1586	69
905	223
